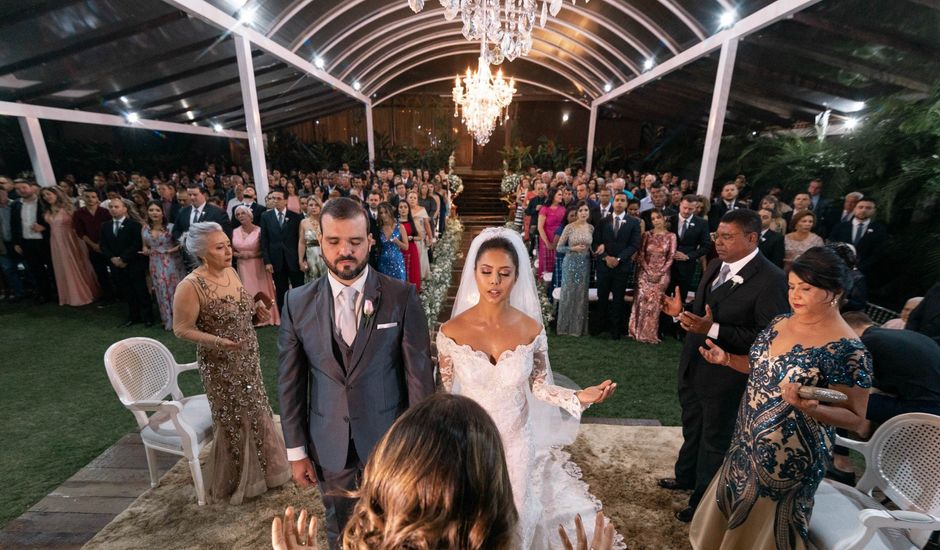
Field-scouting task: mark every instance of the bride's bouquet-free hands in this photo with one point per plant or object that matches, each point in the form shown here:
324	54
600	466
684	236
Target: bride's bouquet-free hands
288	534
603	534
596	394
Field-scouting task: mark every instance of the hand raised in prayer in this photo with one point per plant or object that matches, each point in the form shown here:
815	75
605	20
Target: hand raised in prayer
603	534
672	305
294	535
712	353
596	394
695	324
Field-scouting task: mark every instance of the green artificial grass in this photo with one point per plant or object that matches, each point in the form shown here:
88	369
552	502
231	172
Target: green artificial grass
59	411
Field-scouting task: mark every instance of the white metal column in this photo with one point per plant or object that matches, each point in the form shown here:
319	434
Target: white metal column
246	76
589	153
716	118
370	135
38	154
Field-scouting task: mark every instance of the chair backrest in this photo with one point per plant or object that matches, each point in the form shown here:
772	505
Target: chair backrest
880	315
905	462
141	369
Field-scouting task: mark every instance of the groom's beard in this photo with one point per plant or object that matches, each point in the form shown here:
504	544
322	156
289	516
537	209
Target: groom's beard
347	274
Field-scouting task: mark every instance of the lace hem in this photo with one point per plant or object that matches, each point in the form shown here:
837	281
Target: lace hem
576	474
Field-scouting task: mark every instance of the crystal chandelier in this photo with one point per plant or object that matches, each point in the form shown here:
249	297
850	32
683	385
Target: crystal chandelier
482	99
507	24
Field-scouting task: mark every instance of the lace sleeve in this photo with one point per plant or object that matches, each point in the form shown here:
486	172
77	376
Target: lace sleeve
445	366
544	390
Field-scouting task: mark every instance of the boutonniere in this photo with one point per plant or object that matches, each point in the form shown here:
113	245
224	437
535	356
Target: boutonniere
736	280
368	309
869	230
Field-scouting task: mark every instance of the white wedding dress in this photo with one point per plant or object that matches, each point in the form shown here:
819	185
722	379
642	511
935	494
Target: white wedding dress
546	485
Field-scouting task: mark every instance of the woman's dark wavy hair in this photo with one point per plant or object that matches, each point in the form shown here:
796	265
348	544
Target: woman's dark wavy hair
822	268
436	481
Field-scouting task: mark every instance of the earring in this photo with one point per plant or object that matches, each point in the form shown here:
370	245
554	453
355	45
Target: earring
834	302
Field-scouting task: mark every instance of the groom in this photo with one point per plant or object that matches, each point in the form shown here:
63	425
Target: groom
354	355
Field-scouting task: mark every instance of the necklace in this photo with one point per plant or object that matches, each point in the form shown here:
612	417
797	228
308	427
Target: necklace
228	279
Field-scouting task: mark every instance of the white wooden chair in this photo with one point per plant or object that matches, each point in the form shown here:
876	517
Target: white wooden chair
902	460
143	372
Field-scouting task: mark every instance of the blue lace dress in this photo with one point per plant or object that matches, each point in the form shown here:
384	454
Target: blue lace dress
391	259
762	497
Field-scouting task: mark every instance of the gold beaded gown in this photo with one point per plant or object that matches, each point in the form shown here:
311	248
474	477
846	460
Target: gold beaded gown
248	455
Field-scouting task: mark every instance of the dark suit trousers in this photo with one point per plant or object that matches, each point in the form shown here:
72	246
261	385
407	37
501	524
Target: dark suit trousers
100	265
38	259
612	281
132	284
708	419
682	274
285	278
332	484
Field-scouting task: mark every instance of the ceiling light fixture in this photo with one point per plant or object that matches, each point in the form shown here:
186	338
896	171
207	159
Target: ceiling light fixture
357	86
318	62
217	127
648	63
608	87
727	19
132	118
851	123
506	24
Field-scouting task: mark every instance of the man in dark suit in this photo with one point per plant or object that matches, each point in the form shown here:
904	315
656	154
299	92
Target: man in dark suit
869	237
771	243
167	196
249	196
30	233
199	210
616	240
354	354
373	200
740	293
280	232
121	243
728	202
906	368
820	206
692	242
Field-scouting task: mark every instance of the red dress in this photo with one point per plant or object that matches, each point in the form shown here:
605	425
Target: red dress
412	257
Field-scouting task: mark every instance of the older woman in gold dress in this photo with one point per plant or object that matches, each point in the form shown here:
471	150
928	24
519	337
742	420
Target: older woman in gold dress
213	309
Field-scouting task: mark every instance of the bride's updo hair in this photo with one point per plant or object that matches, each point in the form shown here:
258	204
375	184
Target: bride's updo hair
437	480
498	243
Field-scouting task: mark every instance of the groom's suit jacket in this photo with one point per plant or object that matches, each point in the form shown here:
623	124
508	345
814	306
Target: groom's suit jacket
330	394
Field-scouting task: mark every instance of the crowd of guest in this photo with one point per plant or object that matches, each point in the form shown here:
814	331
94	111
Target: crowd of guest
118	237
651	233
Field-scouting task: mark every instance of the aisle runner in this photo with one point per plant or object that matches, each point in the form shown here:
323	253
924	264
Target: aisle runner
620	463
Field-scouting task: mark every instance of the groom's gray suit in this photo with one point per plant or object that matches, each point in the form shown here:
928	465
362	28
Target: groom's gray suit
337	401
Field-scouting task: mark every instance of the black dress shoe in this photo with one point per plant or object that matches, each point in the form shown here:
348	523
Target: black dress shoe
673	485
686	514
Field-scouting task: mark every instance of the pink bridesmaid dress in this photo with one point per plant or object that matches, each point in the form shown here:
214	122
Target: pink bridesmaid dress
255	278
74	276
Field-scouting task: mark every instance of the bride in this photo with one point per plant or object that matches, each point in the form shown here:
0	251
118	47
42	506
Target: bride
494	350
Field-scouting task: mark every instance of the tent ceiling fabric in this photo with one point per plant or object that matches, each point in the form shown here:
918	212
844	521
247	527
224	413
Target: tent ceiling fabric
166	65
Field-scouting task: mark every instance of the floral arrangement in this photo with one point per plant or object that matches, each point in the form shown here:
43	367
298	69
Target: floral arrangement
434	289
548	309
509	184
455	184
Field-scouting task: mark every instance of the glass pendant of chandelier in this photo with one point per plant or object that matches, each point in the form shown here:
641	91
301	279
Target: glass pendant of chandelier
507	24
482	99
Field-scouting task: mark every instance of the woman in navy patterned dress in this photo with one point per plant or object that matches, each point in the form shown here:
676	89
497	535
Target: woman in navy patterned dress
762	497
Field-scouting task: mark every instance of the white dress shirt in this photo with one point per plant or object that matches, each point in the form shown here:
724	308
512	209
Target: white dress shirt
855	223
28	212
681	225
733	269
337	286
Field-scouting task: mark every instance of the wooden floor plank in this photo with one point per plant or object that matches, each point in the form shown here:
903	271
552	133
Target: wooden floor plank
58	522
83	505
73	489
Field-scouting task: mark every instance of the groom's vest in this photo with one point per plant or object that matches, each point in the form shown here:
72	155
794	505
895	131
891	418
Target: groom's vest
341	351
